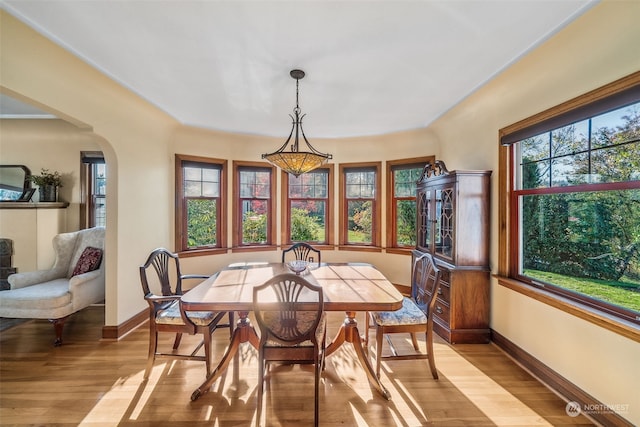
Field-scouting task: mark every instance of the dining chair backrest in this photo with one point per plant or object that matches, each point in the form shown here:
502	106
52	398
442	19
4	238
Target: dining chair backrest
288	309
425	280
162	292
302	251
167	268
290	314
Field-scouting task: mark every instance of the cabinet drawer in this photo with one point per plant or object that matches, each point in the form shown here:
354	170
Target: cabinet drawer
445	276
442	311
444	293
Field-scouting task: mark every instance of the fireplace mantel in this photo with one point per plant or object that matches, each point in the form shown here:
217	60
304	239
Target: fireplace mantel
33	205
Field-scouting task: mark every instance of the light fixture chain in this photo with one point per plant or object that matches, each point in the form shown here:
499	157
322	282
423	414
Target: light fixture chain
297	110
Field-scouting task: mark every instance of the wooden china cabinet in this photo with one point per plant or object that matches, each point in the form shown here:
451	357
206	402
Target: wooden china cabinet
453	226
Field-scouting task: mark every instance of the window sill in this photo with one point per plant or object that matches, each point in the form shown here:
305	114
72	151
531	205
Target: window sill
619	326
320	246
254	248
400	251
360	248
201	252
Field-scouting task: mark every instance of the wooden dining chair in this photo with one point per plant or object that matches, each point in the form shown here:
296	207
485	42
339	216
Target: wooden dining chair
416	315
290	314
166	313
301	251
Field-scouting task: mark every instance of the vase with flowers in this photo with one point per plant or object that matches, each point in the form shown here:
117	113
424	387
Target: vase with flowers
48	184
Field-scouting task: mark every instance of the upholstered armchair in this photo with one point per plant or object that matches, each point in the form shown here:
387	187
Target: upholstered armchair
75	281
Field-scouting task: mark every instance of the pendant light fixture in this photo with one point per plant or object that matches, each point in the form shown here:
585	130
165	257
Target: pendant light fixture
289	158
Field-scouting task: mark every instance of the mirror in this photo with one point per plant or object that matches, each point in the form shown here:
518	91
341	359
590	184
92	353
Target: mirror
14	183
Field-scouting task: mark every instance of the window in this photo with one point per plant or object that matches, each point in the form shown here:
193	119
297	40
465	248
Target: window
307	203
359	204
200	202
93	187
254	193
402	176
575	202
98	194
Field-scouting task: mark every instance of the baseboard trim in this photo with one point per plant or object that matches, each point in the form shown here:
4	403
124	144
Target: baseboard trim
559	384
116	332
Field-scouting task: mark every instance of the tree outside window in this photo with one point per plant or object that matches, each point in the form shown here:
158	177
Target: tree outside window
254	189
578	194
200	200
402	176
360	217
202	194
308	207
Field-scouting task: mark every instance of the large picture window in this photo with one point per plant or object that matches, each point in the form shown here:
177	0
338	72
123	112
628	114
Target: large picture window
200	201
402	176
254	194
308	207
575	205
359	204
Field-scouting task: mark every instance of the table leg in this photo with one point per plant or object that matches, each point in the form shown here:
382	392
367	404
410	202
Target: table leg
243	332
349	333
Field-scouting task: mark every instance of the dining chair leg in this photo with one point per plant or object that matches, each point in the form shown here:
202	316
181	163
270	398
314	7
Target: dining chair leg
260	396
324	347
207	351
432	360
414	340
317	365
176	343
379	335
316	407
153	347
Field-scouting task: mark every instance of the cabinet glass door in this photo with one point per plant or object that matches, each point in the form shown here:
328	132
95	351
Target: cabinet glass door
444	222
424	220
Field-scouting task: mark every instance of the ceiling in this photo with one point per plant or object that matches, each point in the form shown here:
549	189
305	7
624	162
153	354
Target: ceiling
372	67
11	108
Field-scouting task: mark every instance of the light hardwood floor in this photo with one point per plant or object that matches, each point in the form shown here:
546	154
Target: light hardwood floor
90	382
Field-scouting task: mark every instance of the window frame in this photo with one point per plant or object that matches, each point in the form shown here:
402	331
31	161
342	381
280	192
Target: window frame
583	106
238	166
376	225
181	210
88	194
391	166
329	218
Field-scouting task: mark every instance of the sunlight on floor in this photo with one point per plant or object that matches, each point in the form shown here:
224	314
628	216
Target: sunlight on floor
130	396
405	404
115	403
360	421
500	406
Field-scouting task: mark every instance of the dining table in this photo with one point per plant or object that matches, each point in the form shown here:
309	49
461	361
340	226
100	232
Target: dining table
348	287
